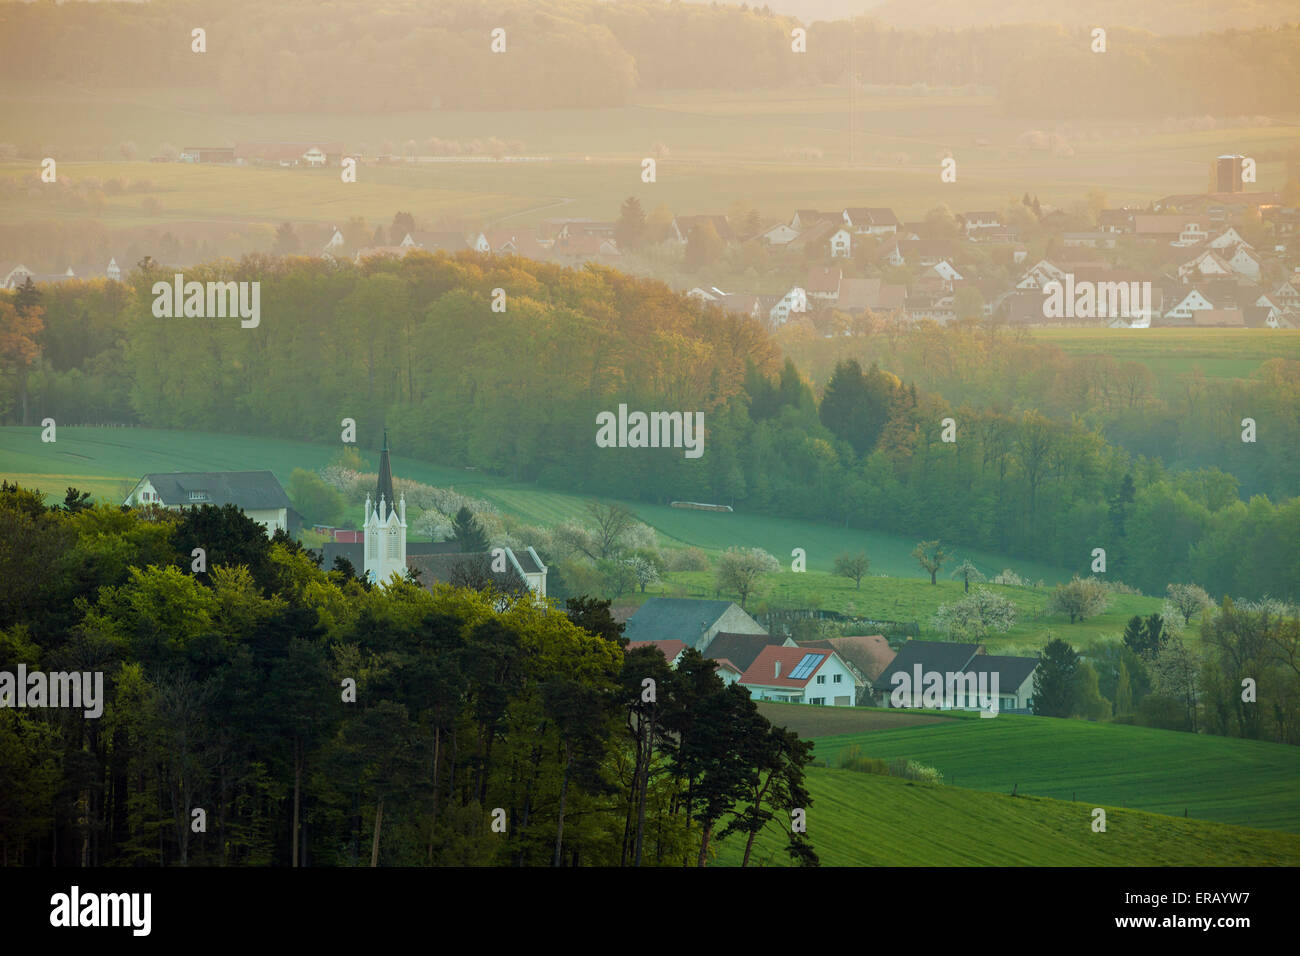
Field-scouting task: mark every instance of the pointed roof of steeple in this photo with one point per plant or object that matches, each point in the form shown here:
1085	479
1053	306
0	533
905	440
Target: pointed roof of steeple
385	476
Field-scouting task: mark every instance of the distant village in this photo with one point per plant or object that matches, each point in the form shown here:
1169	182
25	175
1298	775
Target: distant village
1187	252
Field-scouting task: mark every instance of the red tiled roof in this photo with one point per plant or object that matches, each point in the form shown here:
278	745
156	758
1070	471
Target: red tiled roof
763	670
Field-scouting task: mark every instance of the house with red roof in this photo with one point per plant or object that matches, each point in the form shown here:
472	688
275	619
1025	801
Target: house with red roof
801	675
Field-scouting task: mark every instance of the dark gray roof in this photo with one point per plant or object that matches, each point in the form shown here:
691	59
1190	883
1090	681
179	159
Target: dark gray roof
356	552
740	649
939	656
250	490
683	619
443	568
526	561
1011	671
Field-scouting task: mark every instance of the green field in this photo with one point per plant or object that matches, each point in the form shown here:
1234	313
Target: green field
859	819
1173	353
102	459
1223	779
720	149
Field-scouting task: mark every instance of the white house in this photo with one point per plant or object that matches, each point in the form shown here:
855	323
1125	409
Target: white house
793	302
1039	274
1228	239
1244	262
801	676
944	270
1194	301
841	244
14	274
1205	265
257	493
780	234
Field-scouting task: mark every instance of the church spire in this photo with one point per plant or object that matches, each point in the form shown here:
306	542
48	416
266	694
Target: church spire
385	489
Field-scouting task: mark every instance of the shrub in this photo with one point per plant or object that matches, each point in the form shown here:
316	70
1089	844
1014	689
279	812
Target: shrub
852	759
687	559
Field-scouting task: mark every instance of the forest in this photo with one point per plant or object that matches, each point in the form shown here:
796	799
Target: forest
410	55
263	711
1044	465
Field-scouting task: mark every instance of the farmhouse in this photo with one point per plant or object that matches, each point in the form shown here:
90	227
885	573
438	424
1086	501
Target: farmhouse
798	675
865	655
960	668
289	154
695	622
14	274
257	493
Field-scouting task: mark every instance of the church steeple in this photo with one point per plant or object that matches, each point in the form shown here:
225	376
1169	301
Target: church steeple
385	526
385	489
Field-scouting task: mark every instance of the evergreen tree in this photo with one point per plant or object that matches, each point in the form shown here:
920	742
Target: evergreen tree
1054	680
467	532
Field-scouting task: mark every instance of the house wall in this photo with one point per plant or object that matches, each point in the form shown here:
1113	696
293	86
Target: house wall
272	519
841	694
733	621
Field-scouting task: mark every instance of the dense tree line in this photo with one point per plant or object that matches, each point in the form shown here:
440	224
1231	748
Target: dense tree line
1241	679
317	721
421	55
413	344
1189	423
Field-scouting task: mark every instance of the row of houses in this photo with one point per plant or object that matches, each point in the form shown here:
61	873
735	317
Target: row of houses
1216	283
830	672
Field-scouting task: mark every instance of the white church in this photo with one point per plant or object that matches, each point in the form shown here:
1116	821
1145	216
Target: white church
386	551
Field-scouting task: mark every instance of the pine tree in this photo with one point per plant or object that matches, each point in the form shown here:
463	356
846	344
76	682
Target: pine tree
467	532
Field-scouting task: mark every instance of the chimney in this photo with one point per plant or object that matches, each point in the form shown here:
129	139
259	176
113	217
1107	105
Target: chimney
778	670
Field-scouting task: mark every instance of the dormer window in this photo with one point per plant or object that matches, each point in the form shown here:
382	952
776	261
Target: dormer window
199	495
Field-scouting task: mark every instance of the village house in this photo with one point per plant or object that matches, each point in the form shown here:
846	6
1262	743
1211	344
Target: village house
870	221
257	493
797	675
916	659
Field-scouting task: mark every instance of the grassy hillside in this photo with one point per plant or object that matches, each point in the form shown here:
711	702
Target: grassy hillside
904	596
101	459
859	819
1223	779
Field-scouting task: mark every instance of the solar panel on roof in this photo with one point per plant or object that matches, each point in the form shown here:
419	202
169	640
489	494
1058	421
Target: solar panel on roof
805	666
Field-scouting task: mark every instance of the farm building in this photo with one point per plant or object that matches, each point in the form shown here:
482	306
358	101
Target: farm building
695	622
912	669
257	493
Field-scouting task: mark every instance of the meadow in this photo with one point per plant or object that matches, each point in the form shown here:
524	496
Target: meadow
1221	779
105	461
859	819
719	149
1171	354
